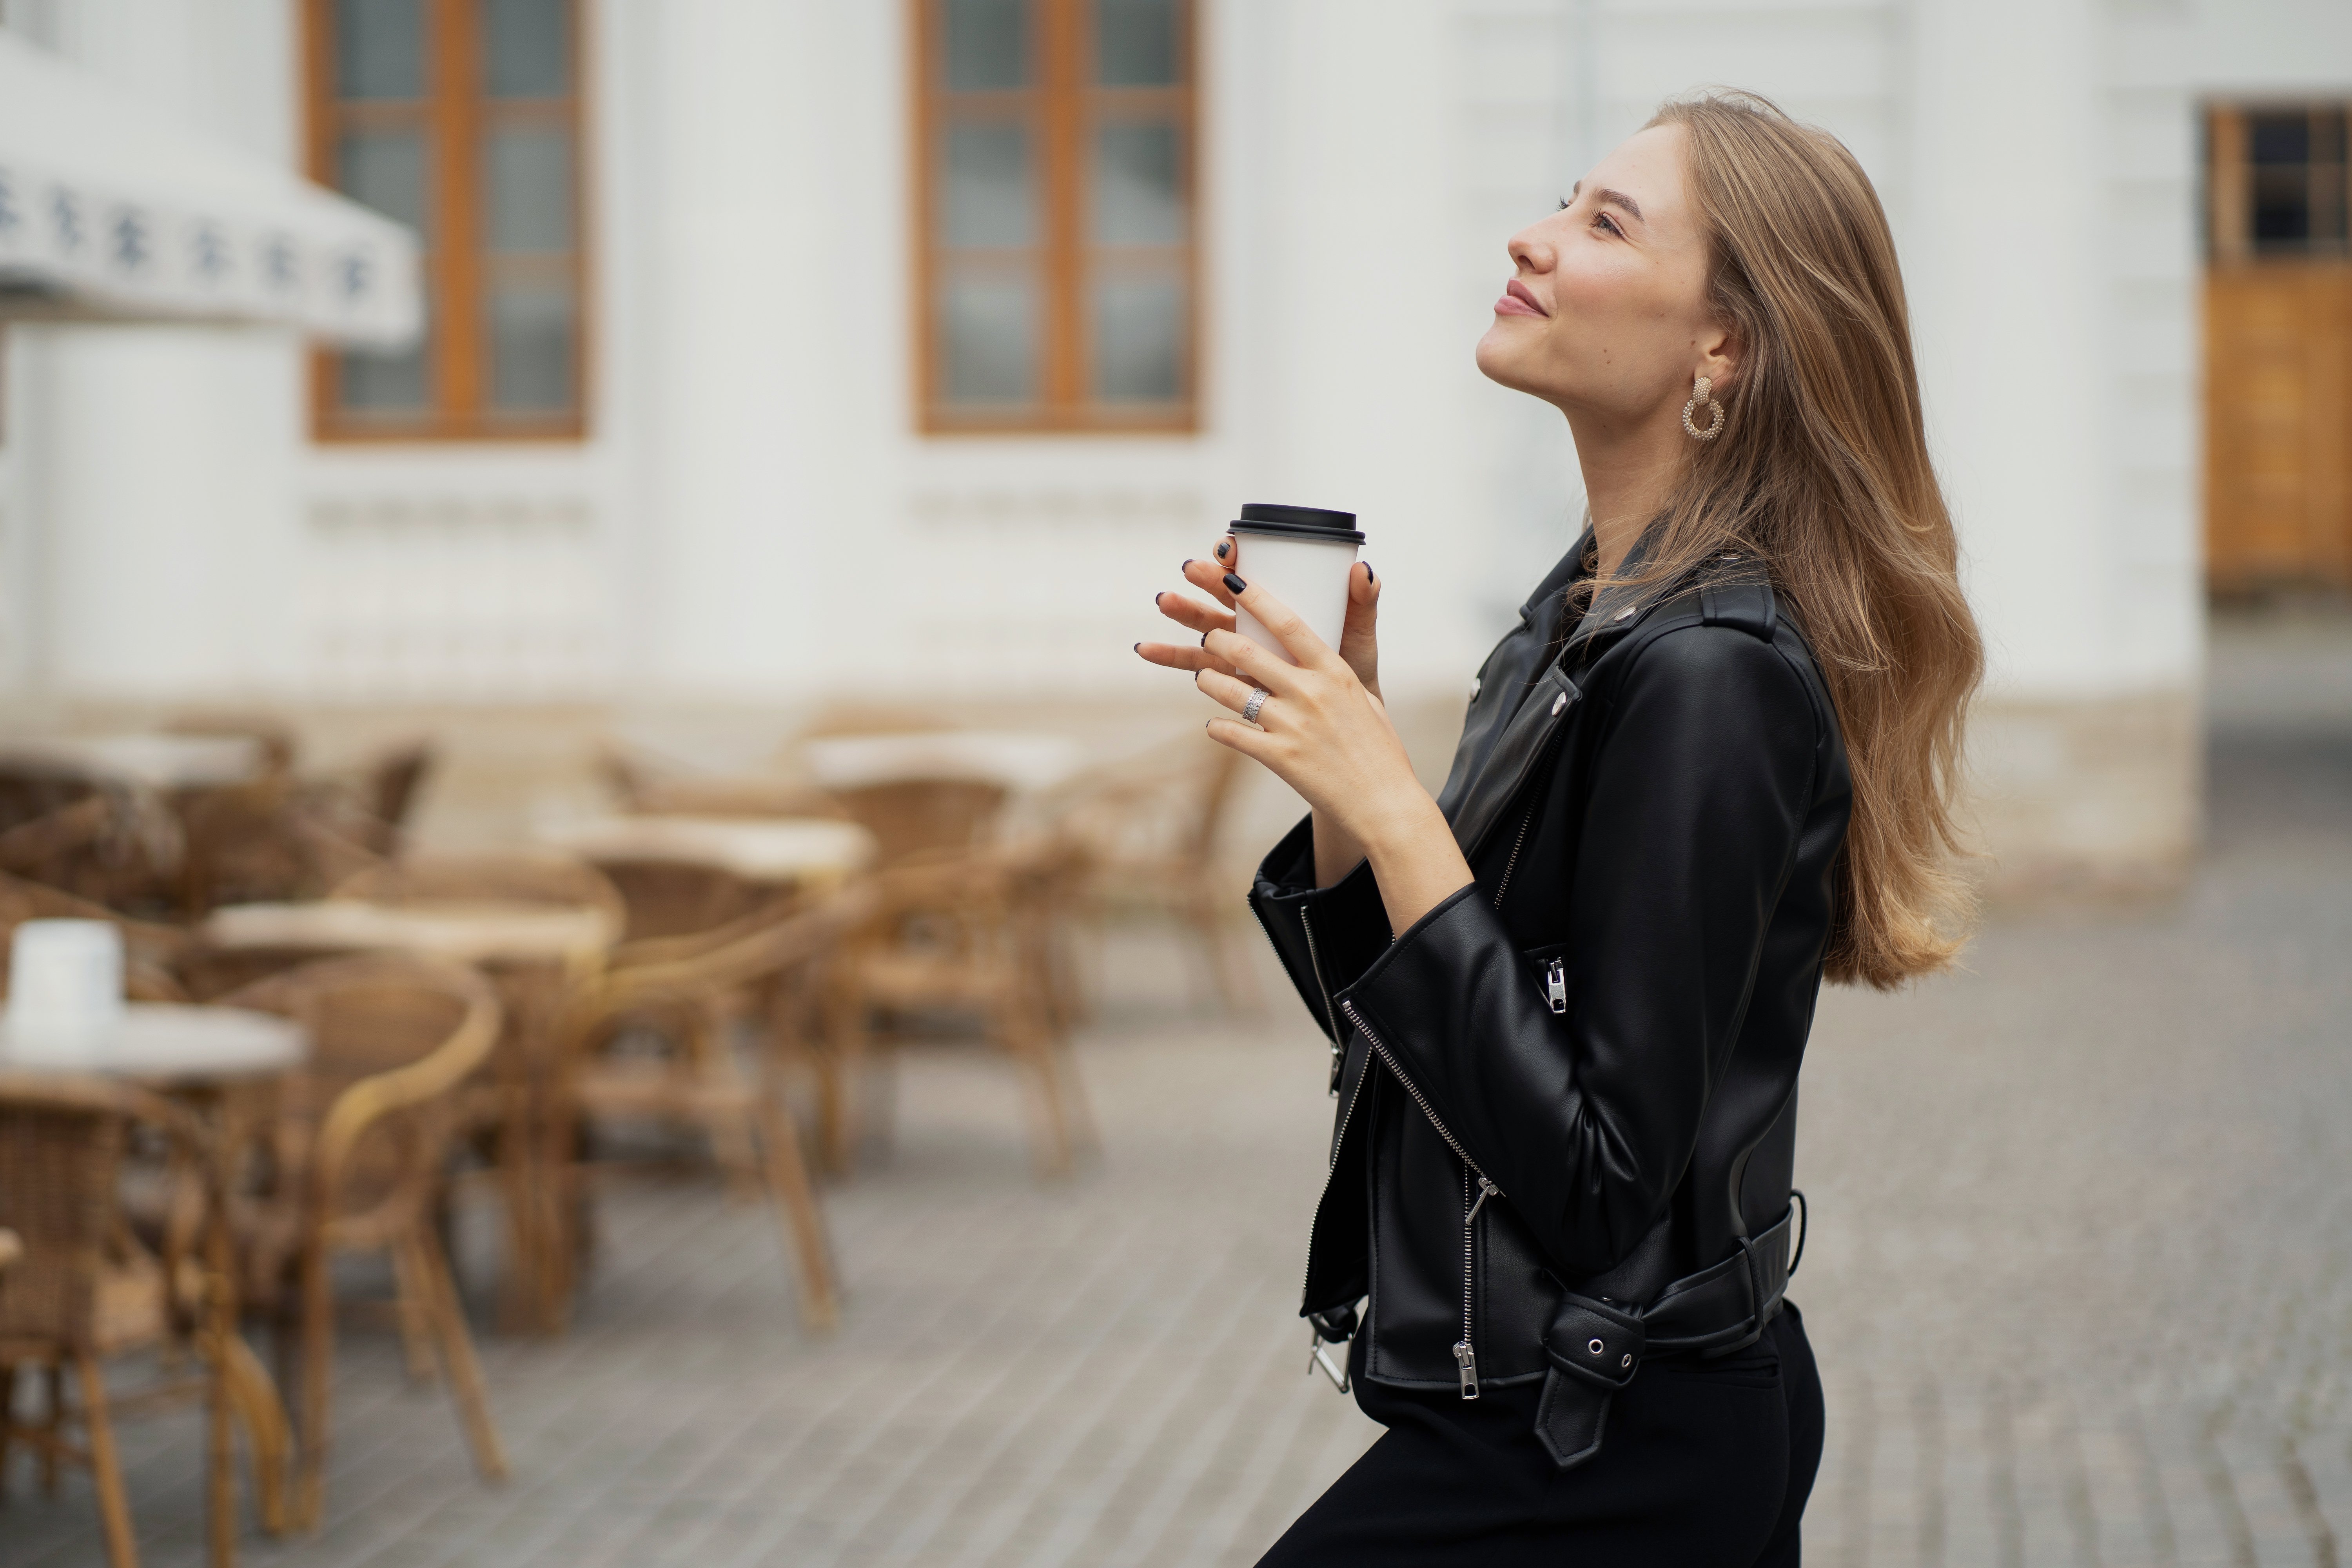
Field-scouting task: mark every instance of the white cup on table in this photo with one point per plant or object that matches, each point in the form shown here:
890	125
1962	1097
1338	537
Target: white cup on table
64	988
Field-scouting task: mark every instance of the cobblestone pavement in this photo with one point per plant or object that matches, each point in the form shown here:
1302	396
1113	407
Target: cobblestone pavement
2079	1286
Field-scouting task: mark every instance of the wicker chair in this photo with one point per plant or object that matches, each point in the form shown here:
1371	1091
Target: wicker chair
1154	826
83	1288
974	933
354	1165
912	818
673	994
118	848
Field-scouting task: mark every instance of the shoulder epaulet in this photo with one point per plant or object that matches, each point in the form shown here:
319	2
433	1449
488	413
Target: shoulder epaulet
1744	601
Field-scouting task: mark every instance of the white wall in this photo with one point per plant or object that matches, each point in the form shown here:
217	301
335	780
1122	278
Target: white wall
753	516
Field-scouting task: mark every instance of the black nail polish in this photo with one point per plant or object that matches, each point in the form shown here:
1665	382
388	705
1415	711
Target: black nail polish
1368	573
1157	597
1204	639
1139	647
1187	566
1234	584
1221	550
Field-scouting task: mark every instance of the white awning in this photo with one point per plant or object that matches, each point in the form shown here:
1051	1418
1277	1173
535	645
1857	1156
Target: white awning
110	209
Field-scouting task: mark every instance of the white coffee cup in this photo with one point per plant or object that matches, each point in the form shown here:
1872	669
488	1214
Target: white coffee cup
1303	555
64	987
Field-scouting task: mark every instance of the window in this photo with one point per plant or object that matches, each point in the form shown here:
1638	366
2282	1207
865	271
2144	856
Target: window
1058	272
461	118
2280	182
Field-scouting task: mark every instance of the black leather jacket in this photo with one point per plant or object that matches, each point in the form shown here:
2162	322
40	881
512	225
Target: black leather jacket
1593	1052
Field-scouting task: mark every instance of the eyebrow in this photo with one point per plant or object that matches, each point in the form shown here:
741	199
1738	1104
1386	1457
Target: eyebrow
1614	198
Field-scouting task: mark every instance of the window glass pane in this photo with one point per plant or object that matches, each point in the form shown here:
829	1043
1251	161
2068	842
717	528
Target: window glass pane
385	170
1139	333
1135	43
2281	206
527	188
990	190
530	338
1135	191
990	325
386	383
380	49
988	45
525	51
2280	138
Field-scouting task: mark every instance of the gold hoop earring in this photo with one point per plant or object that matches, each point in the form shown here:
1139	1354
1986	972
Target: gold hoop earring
1699	396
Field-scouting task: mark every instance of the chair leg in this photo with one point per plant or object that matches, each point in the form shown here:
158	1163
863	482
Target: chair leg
54	1418
318	1367
409	1296
7	1421
264	1418
1236	981
795	1200
457	1354
105	1465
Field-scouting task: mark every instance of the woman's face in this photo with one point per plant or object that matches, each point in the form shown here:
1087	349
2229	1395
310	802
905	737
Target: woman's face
1606	314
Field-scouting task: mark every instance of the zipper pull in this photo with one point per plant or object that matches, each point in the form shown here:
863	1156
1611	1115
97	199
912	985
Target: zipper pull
1467	1360
1556	985
1486	1189
1339	1065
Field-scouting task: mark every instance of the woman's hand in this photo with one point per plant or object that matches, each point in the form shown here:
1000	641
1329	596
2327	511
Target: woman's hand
1325	733
1359	643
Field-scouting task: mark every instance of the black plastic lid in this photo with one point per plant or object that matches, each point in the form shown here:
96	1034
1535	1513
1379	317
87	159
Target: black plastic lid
1300	521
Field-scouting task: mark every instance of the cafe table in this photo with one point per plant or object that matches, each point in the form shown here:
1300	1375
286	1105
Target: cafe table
216	1061
768	851
141	760
537	956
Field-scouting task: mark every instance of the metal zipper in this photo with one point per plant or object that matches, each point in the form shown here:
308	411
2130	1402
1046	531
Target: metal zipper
1465	1354
1315	963
1513	863
1338	1142
1556	985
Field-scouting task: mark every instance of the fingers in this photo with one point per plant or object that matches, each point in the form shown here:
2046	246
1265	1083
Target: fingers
1219	686
1181	656
1209	576
1246	739
1297	637
1187	611
1363	588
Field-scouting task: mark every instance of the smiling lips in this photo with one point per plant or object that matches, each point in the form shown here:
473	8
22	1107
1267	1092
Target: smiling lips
1519	299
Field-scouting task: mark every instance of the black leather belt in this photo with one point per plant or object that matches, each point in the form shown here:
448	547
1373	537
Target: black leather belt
1595	1345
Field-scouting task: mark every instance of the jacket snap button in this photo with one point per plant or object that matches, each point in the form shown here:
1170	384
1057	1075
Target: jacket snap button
1627	1362
1624	613
1596	1347
1558	703
1476	682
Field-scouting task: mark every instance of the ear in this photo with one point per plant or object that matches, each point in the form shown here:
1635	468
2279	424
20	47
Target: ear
1719	355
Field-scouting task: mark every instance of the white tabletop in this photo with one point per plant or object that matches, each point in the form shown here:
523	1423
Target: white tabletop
756	848
1019	760
168	1042
470	933
156	761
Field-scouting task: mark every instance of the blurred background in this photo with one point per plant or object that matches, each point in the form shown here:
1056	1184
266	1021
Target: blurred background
565	576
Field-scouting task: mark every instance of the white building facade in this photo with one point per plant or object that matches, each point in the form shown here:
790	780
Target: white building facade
753	512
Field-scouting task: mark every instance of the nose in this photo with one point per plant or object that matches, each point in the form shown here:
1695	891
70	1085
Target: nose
1531	250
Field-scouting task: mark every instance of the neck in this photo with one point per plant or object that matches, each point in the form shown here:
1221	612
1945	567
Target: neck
1629	469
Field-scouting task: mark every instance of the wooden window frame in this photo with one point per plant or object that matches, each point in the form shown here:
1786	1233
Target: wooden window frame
451	266
1063	111
2228	190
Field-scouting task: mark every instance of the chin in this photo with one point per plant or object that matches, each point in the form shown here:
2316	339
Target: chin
1505	361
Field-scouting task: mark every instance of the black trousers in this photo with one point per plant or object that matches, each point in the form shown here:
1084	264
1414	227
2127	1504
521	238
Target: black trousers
1706	1463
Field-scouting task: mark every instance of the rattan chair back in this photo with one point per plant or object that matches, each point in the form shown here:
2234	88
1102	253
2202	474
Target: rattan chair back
911	817
551	881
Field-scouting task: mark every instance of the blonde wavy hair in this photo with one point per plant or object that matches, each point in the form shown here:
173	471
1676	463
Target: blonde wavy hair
1823	471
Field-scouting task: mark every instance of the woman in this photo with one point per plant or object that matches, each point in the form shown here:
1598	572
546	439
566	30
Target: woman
1568	998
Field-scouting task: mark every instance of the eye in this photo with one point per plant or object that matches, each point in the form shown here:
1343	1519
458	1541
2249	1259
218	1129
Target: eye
1563	204
1604	221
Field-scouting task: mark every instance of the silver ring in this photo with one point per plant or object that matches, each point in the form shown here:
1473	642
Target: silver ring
1256	702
